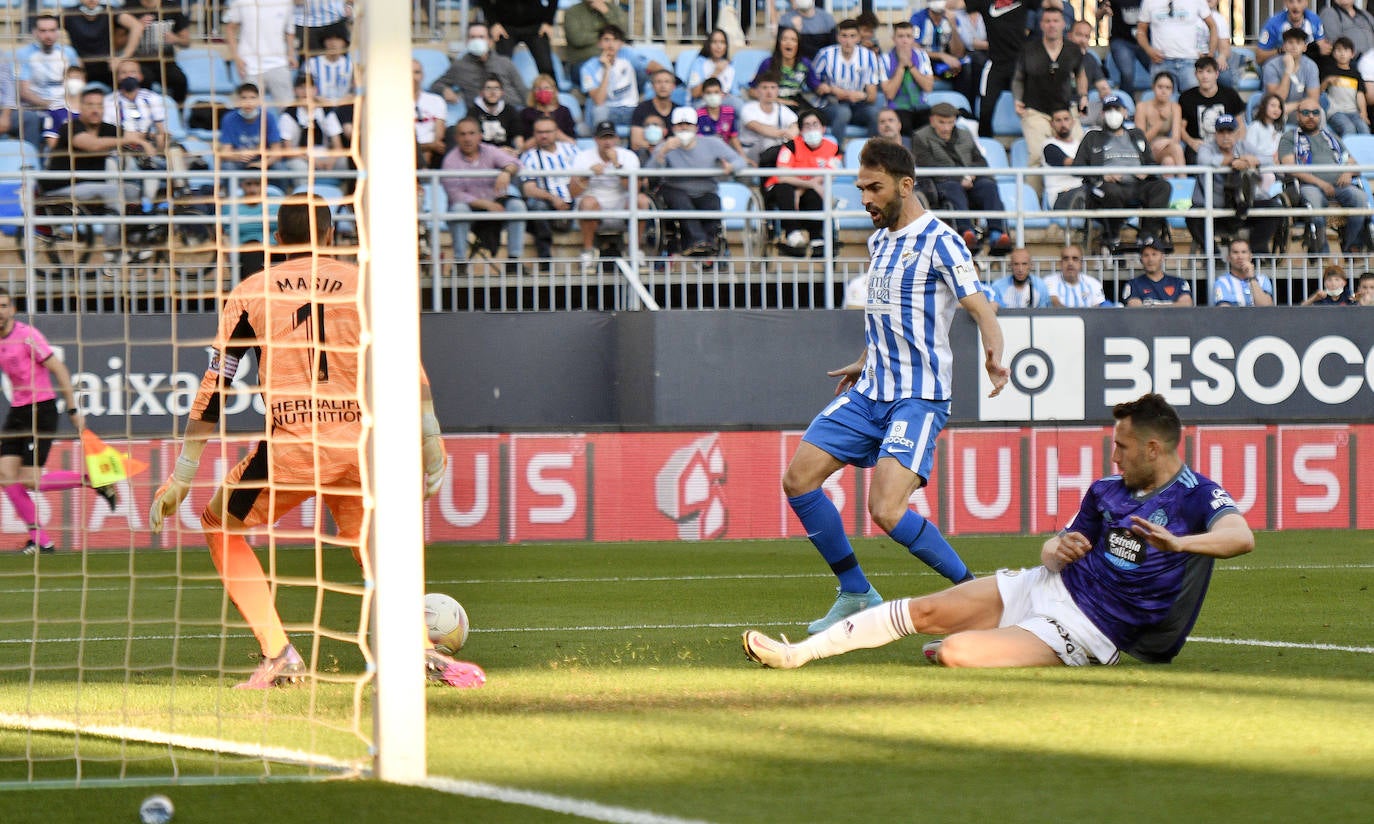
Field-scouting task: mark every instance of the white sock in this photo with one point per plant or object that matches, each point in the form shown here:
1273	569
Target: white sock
873	627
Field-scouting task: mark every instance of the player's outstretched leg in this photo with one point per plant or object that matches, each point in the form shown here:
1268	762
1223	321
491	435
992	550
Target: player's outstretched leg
924	540
449	671
286	667
874	627
825	528
66	479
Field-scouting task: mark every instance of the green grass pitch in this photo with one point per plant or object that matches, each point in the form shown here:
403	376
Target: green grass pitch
616	679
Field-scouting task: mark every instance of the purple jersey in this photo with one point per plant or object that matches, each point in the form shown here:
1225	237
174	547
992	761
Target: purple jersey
22	353
1143	598
722	126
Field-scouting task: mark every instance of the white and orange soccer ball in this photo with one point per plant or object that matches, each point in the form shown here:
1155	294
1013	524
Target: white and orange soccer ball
446	621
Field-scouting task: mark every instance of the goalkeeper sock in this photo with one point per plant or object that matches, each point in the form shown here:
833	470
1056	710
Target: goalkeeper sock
923	539
824	527
27	512
873	627
60	480
247	586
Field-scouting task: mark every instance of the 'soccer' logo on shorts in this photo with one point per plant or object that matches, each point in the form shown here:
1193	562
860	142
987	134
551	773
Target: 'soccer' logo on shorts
1041	388
1125	549
896	436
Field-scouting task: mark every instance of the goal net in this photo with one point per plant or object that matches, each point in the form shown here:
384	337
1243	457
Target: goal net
120	650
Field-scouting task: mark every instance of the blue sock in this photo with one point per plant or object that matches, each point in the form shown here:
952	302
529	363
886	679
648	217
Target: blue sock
826	531
923	539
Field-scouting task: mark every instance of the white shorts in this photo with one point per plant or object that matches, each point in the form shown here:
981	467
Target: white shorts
609	202
1037	601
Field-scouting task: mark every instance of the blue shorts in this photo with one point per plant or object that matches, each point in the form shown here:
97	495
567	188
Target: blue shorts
859	430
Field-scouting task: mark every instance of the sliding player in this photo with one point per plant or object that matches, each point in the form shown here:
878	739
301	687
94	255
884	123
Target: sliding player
301	317
1127	575
31	425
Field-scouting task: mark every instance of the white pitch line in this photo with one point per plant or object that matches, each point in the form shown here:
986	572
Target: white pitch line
633	579
1251	642
554	803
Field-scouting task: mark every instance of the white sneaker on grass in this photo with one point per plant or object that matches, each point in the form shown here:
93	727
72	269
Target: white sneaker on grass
769	652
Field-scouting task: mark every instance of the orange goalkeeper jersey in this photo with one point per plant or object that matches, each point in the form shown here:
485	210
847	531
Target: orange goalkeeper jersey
302	318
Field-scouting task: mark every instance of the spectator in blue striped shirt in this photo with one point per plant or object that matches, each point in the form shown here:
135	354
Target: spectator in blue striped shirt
317	20
847	79
546	194
1242	285
1070	288
1021	289
335	79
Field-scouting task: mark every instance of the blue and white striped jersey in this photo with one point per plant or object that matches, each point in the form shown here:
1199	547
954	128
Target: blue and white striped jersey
916	278
560	158
863	68
1085	294
333	78
316	13
1229	290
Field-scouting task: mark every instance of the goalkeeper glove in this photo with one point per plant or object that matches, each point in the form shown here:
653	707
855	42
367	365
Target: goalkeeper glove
433	453
172	493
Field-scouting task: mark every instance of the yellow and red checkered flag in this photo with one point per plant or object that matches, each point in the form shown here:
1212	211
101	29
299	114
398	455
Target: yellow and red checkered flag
106	465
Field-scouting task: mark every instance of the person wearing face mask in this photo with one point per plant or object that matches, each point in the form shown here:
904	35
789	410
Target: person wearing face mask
654	132
934	30
665	84
767	123
56	120
465	75
686	150
543	102
245	136
1115	145
816	26
802	192
717	117
134	110
90	29
261	34
159	28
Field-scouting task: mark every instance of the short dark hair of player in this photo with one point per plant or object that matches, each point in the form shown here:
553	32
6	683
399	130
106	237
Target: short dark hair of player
1154	415
867	19
1343	42
771	76
848	24
902	25
248	87
710	83
1206	62
805	113
303	220
892	158
1295	34
613	30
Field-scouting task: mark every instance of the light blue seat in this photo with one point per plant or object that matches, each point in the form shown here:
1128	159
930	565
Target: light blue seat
1005	122
176	126
847	197
1021	200
1361	148
738	198
433	63
1181	189
746	63
524	64
683	67
1019	155
996	155
195	101
575	107
852	150
206	70
952	97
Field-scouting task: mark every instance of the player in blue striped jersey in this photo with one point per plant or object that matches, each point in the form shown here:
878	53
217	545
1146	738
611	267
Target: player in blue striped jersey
543	194
335	79
1241	285
847	79
893	401
1128	574
1069	288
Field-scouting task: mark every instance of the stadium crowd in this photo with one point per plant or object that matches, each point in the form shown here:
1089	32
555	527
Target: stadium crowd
105	87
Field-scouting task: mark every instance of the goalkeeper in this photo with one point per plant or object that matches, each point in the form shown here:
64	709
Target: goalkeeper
302	319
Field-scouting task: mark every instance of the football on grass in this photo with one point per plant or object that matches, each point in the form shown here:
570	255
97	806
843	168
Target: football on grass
447	622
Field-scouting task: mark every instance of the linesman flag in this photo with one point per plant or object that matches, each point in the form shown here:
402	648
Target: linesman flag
106	465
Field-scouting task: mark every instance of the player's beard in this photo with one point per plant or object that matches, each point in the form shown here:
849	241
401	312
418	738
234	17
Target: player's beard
887	216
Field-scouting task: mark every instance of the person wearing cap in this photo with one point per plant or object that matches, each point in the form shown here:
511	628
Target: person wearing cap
1237	189
1311	144
1292	75
1115	145
847	80
1168	31
941	143
603	187
688	150
1153	287
664	83
1241	285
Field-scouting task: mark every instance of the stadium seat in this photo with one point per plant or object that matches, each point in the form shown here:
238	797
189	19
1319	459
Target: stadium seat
1005	122
1248	82
196	101
575	107
207	72
746	63
432	62
852	150
847	198
1019	154
683	66
1181	192
15	155
1021	200
1361	148
952	97
996	156
176	127
524	64
736	197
